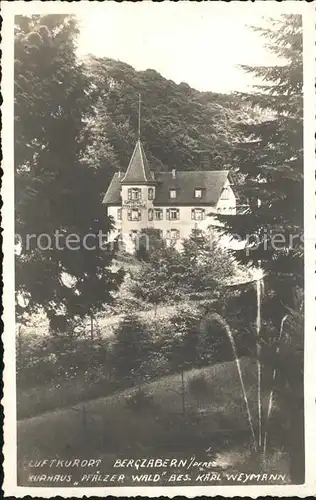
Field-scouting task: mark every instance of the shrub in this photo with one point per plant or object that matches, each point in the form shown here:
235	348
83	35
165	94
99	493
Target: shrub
180	345
148	241
44	358
139	400
131	349
199	388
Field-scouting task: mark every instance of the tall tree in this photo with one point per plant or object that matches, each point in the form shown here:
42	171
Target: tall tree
55	189
271	160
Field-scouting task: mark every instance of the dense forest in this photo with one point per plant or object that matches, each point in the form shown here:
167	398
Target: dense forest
181	127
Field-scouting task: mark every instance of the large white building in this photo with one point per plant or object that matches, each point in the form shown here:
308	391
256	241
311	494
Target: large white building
173	202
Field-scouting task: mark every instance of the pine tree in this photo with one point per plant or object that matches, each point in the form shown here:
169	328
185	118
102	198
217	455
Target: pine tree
271	159
55	189
131	348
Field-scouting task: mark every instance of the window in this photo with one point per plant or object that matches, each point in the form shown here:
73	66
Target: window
119	214
134	214
173	213
150	193
158	214
197	213
172	193
134	193
173	234
150	214
198	193
225	194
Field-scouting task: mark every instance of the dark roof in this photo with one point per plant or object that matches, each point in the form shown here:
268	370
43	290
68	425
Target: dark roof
185	182
138	171
112	195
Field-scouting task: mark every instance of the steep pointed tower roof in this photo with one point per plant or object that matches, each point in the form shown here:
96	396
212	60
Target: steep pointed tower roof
138	171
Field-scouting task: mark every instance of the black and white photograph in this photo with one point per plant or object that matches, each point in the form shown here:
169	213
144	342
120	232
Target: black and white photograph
159	225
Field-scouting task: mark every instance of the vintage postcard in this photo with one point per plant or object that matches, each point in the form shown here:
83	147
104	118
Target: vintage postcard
159	248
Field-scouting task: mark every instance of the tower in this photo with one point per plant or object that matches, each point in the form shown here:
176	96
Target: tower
137	190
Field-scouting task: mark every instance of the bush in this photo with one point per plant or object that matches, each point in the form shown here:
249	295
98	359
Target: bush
140	401
41	359
180	344
149	240
199	388
132	348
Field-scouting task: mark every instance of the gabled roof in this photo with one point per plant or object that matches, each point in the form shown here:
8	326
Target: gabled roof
138	171
185	182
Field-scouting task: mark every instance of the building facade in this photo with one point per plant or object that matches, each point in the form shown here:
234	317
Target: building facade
173	202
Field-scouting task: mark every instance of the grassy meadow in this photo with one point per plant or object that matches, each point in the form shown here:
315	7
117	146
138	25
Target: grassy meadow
108	427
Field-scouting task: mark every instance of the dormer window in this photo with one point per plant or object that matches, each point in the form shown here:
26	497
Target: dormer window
172	193
134	193
198	193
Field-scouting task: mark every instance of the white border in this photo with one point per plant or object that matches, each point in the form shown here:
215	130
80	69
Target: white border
9	402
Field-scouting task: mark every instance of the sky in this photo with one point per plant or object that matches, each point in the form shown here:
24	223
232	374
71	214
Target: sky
201	43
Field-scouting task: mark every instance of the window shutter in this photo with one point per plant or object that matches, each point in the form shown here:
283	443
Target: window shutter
168	214
129	215
203	213
178	214
192	214
129	192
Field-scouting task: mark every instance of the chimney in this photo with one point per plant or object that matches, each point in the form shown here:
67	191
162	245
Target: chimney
173	173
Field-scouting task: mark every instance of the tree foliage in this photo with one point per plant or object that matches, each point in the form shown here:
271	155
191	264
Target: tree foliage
178	123
131	349
55	189
196	272
270	157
